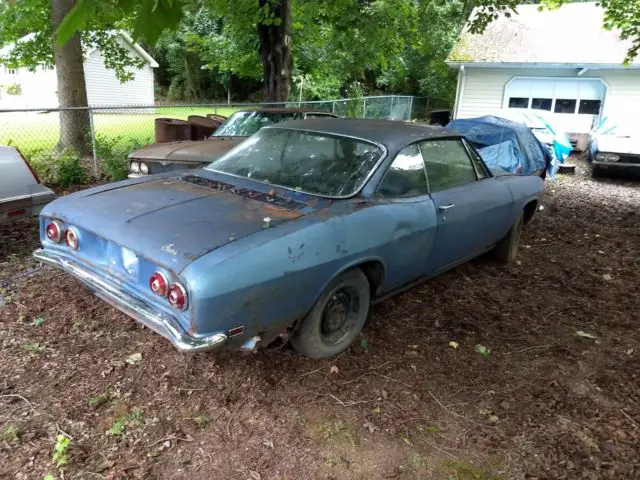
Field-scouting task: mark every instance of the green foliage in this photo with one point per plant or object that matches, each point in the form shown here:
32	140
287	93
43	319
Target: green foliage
14	89
33	347
10	434
98	400
201	420
37	322
27	25
61	451
113	153
62	168
120	424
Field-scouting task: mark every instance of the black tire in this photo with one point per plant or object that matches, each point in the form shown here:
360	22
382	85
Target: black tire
337	317
507	249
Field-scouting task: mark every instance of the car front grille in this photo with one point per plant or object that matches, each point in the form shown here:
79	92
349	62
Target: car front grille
629	159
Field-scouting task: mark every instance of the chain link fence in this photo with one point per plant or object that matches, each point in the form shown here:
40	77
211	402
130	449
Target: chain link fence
123	128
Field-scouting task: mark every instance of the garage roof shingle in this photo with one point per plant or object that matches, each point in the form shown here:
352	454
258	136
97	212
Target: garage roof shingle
572	34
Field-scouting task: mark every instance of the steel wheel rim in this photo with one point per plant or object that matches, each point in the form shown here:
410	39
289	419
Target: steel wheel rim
339	315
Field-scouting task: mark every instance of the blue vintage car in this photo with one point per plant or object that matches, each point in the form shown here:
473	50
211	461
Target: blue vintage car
292	234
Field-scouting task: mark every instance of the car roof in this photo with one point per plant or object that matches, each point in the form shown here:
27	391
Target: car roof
392	134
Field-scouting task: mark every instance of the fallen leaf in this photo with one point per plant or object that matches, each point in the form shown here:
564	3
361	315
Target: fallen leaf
582	334
133	358
334	370
607	277
370	426
411	353
453	344
255	475
629	352
377	410
407	441
494	418
415	347
364	345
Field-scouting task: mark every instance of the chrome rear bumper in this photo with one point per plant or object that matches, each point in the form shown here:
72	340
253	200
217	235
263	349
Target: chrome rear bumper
133	306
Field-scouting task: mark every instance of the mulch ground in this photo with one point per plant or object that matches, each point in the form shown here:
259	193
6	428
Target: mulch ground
544	382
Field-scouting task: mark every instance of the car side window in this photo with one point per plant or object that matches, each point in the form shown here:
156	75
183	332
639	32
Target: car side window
481	171
405	177
448	164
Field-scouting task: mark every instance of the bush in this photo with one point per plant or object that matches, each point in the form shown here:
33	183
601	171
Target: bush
114	153
14	89
62	168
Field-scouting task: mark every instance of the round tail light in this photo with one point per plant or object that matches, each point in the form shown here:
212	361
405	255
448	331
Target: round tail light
54	232
71	237
178	296
159	284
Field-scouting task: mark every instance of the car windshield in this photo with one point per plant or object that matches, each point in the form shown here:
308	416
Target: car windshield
245	124
310	162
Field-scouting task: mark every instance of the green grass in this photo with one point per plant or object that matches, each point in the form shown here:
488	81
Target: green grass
39	131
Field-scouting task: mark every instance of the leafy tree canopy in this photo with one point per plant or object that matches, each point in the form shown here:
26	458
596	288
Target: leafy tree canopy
27	26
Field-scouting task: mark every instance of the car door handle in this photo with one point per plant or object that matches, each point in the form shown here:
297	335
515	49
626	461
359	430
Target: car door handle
444	208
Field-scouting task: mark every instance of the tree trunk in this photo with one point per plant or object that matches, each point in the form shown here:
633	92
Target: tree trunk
72	90
275	49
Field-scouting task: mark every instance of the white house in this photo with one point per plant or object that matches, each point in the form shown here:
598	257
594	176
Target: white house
38	89
562	61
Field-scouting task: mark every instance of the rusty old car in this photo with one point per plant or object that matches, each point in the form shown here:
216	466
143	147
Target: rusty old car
292	234
173	156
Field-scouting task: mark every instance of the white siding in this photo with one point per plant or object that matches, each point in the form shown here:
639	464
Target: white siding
39	89
104	88
483	88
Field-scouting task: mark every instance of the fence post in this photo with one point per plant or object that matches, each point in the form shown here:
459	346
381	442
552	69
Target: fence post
364	107
410	107
390	116
93	143
333	107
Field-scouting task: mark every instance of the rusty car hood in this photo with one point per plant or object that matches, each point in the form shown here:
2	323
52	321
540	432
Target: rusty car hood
173	219
202	151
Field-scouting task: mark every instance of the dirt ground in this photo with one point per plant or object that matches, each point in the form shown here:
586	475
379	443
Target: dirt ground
544	382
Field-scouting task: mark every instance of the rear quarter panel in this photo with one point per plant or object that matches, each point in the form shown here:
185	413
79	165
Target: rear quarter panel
270	280
525	189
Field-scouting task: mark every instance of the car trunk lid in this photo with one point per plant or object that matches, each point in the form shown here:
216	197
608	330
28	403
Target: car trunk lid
174	220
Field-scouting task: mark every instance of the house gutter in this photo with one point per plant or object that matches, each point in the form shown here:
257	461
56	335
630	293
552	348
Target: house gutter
462	80
590	66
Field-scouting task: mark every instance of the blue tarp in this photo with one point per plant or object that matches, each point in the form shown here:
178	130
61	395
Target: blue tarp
501	156
527	155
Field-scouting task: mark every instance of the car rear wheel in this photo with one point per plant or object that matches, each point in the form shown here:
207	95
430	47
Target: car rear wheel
507	249
336	318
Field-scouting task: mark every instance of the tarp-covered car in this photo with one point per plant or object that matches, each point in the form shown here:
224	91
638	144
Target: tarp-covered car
21	193
505	145
291	234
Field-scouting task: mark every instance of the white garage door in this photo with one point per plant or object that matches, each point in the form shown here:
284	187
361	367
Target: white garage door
574	103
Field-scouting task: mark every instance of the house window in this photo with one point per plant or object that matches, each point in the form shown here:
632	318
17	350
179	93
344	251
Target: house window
10	71
542	103
518	102
565	105
589	107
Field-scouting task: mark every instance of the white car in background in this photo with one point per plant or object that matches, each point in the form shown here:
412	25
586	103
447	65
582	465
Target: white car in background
615	146
21	193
